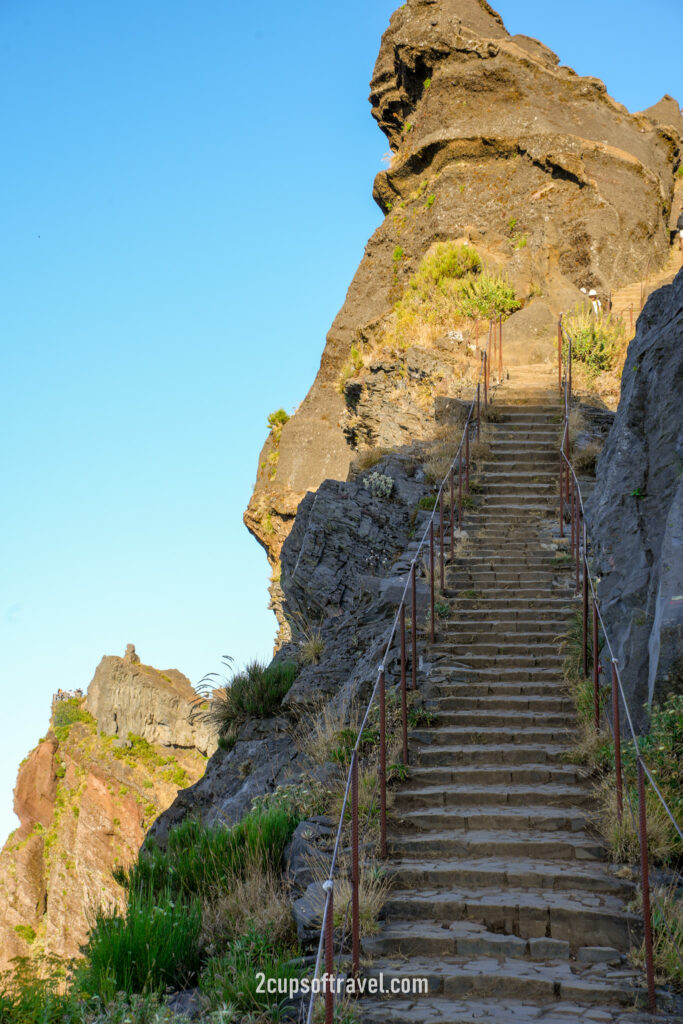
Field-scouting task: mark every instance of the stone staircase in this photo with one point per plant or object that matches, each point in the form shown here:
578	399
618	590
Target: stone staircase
502	895
630	297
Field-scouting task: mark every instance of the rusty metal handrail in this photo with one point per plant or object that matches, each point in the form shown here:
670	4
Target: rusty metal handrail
569	485
326	940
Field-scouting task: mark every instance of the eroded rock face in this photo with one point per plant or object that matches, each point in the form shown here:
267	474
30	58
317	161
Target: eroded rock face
636	510
495	143
128	697
85	797
343	570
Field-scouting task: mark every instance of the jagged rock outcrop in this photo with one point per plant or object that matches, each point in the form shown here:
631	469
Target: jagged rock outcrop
343	570
636	509
128	697
494	143
86	795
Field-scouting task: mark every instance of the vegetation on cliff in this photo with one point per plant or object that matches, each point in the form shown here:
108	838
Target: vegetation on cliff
662	748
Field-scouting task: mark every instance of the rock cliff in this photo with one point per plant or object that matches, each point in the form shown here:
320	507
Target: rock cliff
495	143
85	796
636	509
343	568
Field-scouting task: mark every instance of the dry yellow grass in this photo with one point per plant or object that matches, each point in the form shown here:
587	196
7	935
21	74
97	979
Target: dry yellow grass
258	900
317	732
368	458
622	837
373	889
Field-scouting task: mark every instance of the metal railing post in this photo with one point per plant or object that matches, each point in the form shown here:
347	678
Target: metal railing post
559	353
441	565
578	534
432	632
355	873
585	607
645	883
478	409
404	694
561	495
452	551
467	459
329	953
486	386
460	491
596	667
413	627
617	741
570	370
571	514
500	349
382	765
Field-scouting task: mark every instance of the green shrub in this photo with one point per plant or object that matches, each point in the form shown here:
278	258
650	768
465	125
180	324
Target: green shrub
487	296
141	751
34	993
597	341
427	503
278	419
25	932
256	692
448	261
662	750
66	714
231	980
199	859
155	945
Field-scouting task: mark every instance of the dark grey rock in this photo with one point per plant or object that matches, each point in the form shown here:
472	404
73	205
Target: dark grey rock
308	847
636	511
308	912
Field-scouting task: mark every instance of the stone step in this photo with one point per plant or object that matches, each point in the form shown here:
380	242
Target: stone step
514	704
522	773
550	606
490	753
505	619
466	655
497	647
459	736
552	845
513	560
492	873
577	919
548	688
444	1010
503	674
473	794
507	576
505	817
512	978
479	717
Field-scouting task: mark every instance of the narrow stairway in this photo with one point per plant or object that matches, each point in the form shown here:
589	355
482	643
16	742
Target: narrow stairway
502	895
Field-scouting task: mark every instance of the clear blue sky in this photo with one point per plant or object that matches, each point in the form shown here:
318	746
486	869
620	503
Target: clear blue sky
185	193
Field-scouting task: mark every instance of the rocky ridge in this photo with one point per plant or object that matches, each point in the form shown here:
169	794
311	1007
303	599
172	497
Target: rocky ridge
635	512
494	143
85	796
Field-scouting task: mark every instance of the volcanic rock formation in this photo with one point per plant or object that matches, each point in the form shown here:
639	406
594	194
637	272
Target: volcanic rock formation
493	143
86	795
636	510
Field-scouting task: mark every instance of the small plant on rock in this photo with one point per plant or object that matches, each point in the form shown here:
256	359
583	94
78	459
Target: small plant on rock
379	485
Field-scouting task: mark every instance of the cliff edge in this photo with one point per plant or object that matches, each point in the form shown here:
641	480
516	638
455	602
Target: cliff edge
494	143
85	796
